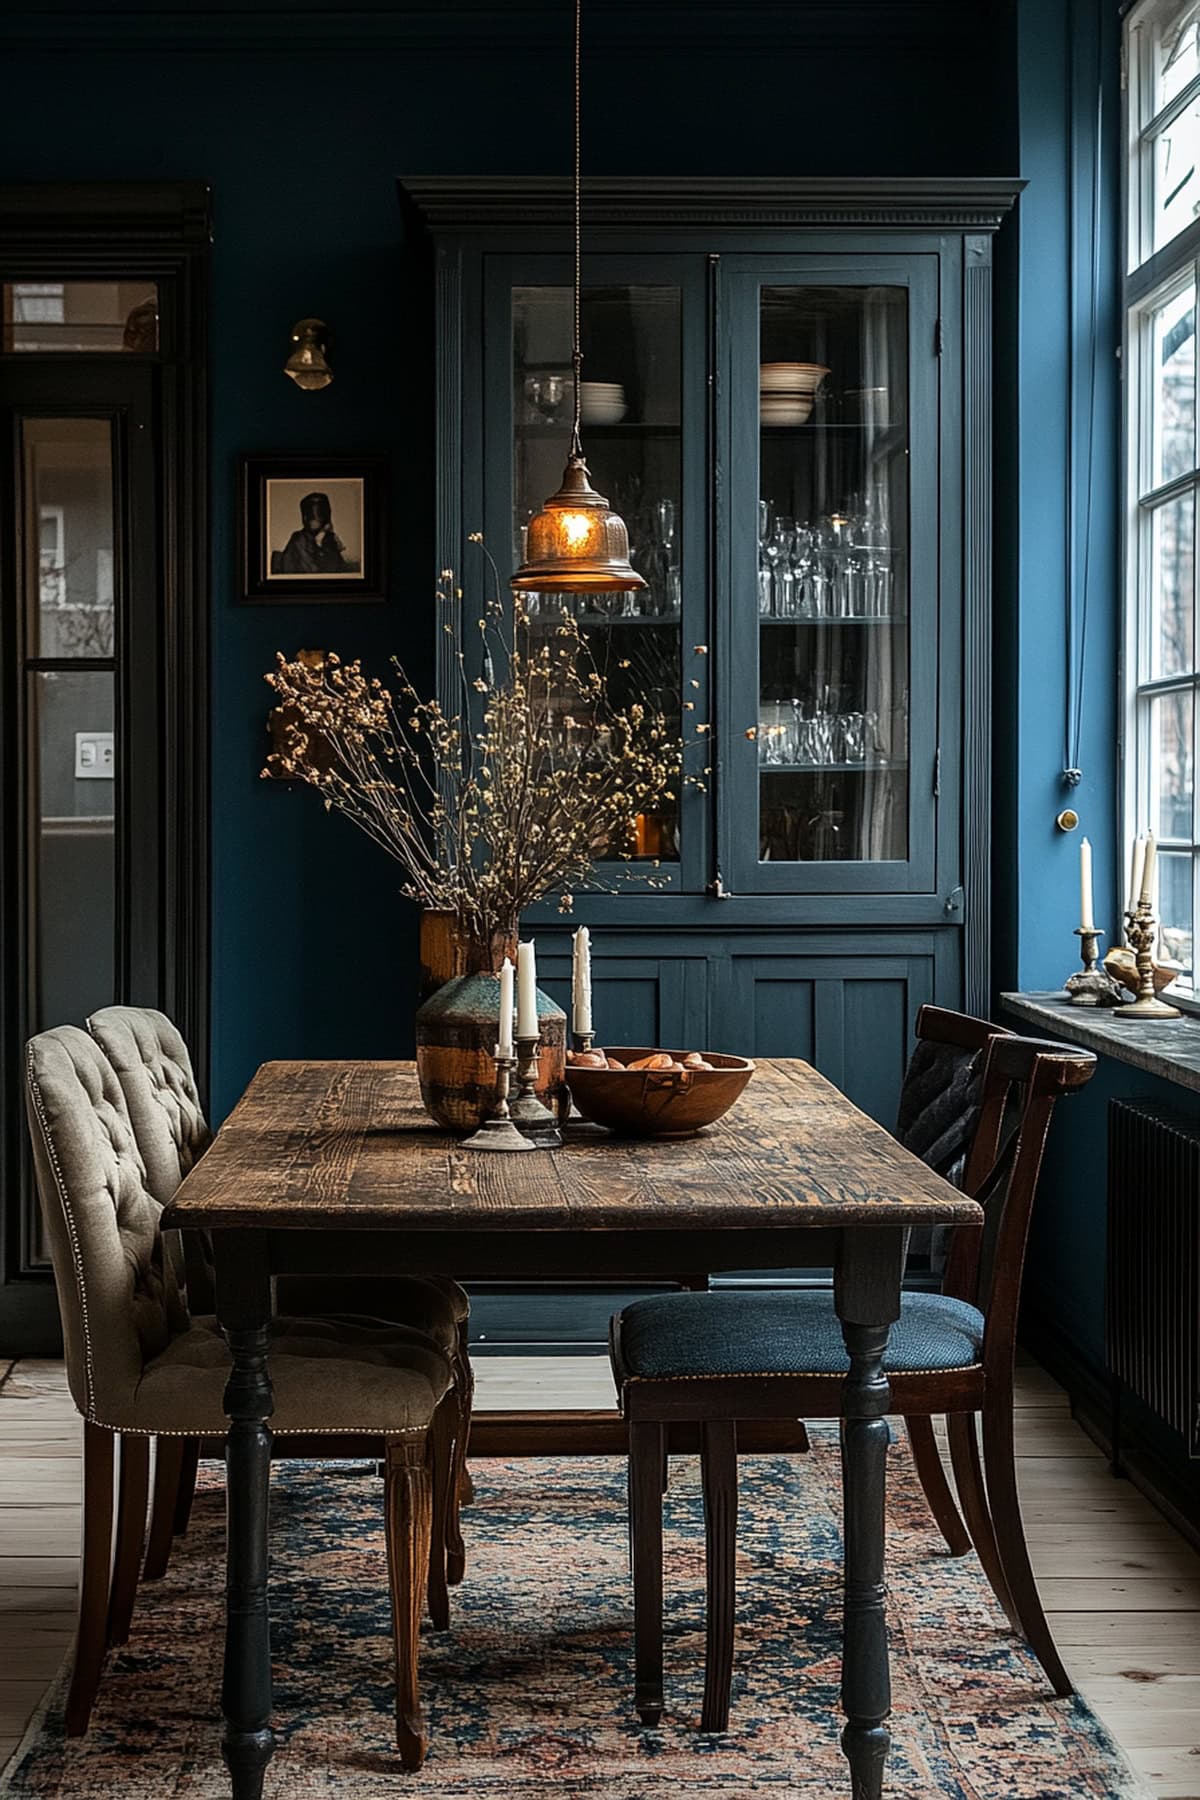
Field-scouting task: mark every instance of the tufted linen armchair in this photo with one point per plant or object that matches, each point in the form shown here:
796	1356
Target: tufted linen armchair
140	1365
153	1066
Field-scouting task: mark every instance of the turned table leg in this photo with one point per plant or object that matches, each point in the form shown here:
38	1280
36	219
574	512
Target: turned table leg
244	1310
867	1295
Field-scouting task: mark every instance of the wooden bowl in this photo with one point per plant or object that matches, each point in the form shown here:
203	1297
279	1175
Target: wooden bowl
667	1103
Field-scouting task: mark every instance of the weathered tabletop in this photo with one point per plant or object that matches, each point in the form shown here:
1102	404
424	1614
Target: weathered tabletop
347	1145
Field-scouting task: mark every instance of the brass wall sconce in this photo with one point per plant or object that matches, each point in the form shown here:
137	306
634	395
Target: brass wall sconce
307	364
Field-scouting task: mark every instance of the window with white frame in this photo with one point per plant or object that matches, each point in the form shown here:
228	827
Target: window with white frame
1162	78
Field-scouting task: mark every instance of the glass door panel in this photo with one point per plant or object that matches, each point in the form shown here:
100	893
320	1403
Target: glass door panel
832	577
631	336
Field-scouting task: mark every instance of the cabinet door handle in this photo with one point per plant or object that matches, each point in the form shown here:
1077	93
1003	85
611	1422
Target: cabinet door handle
954	900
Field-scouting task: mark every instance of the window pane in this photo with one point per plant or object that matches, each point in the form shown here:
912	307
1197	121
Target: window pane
69	509
1178	53
1171	766
1174	397
72	904
80	315
1172	535
1174	910
1177	175
631	397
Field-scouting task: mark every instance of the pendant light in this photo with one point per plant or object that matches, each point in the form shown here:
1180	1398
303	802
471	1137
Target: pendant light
576	543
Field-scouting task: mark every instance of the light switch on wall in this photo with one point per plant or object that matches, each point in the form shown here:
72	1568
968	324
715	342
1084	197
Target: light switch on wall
93	756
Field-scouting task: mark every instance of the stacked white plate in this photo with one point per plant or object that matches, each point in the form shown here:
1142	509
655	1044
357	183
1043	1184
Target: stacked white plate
787	391
601	402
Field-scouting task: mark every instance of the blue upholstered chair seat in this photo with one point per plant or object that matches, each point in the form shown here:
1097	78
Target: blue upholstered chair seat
785	1332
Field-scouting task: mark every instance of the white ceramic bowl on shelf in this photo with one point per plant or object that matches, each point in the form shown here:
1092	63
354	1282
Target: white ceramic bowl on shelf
785	409
791	377
602	402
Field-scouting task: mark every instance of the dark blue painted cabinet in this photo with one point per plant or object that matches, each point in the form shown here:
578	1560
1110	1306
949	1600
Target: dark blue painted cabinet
788	400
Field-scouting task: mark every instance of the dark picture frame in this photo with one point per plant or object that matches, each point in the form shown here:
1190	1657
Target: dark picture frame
311	529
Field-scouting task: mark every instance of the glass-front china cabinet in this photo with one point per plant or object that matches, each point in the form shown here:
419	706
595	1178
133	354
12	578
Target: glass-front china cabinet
786	397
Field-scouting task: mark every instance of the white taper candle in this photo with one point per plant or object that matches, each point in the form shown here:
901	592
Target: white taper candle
527	1019
1087	918
581	982
504	1043
1147	887
1136	855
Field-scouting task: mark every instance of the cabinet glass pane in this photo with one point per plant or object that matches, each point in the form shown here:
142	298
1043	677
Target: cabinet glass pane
832	581
631	397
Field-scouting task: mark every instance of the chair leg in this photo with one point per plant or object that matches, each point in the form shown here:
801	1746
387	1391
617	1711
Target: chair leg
187	1486
972	1496
718	1468
1001	1474
408	1502
133	1488
462	1490
646	1438
94	1583
168	1471
934	1485
441	1462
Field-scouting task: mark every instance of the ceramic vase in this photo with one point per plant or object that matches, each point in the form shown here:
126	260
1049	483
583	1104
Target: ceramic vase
457	1026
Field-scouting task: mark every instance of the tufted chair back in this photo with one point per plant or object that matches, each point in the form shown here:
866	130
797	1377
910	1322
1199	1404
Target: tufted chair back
154	1069
117	1288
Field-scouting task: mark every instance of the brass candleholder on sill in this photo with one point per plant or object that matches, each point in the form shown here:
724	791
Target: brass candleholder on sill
498	1131
534	1121
1091	986
1141	931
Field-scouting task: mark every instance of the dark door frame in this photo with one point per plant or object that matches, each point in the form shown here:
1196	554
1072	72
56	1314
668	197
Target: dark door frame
105	231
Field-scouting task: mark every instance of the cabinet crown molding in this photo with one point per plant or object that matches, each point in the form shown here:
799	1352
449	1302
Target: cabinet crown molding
685	203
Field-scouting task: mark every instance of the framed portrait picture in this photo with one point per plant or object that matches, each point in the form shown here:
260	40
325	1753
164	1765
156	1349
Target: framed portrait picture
311	528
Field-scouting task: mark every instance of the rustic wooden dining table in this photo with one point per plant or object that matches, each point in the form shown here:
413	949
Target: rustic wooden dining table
334	1167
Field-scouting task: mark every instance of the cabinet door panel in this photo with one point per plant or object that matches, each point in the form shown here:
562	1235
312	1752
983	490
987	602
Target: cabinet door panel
855	1025
830	575
635	1000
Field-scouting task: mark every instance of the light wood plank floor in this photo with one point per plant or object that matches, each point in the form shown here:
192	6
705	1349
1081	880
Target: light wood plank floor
1121	1587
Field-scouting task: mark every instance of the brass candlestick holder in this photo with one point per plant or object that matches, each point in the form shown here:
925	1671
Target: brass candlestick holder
1141	931
498	1131
1091	985
533	1120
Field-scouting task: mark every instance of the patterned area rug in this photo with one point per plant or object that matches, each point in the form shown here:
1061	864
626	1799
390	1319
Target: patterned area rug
529	1694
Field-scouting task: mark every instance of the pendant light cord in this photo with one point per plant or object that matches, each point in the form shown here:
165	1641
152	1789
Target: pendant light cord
576	352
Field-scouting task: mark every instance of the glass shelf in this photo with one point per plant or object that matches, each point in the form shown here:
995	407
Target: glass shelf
842	768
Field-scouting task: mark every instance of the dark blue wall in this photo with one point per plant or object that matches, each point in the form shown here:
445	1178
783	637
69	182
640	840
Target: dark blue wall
313	954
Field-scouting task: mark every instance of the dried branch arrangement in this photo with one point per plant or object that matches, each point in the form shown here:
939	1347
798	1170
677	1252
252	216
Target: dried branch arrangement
484	823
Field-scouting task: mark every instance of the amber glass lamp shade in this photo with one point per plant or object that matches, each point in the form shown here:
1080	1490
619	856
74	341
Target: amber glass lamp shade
577	544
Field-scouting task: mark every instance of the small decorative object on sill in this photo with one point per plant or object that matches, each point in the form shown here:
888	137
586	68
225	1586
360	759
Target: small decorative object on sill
497	1132
1091	986
1122	966
1143	932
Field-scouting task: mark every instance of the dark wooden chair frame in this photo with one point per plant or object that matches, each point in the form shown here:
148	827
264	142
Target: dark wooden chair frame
1005	1172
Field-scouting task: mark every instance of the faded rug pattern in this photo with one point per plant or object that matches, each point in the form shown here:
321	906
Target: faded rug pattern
529	1695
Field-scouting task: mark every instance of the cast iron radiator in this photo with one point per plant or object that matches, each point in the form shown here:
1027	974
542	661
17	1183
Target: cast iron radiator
1152	1305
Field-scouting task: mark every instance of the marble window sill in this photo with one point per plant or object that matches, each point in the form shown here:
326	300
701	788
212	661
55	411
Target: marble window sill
1168	1048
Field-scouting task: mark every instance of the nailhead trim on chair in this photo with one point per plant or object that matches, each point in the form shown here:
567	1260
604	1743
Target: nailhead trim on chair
73	1235
360	1431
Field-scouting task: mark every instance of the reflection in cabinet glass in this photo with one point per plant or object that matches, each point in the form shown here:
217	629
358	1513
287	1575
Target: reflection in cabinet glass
631	418
832	579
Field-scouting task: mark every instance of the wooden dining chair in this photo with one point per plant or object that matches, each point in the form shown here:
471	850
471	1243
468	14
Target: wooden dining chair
714	1359
140	1367
938	1119
152	1064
